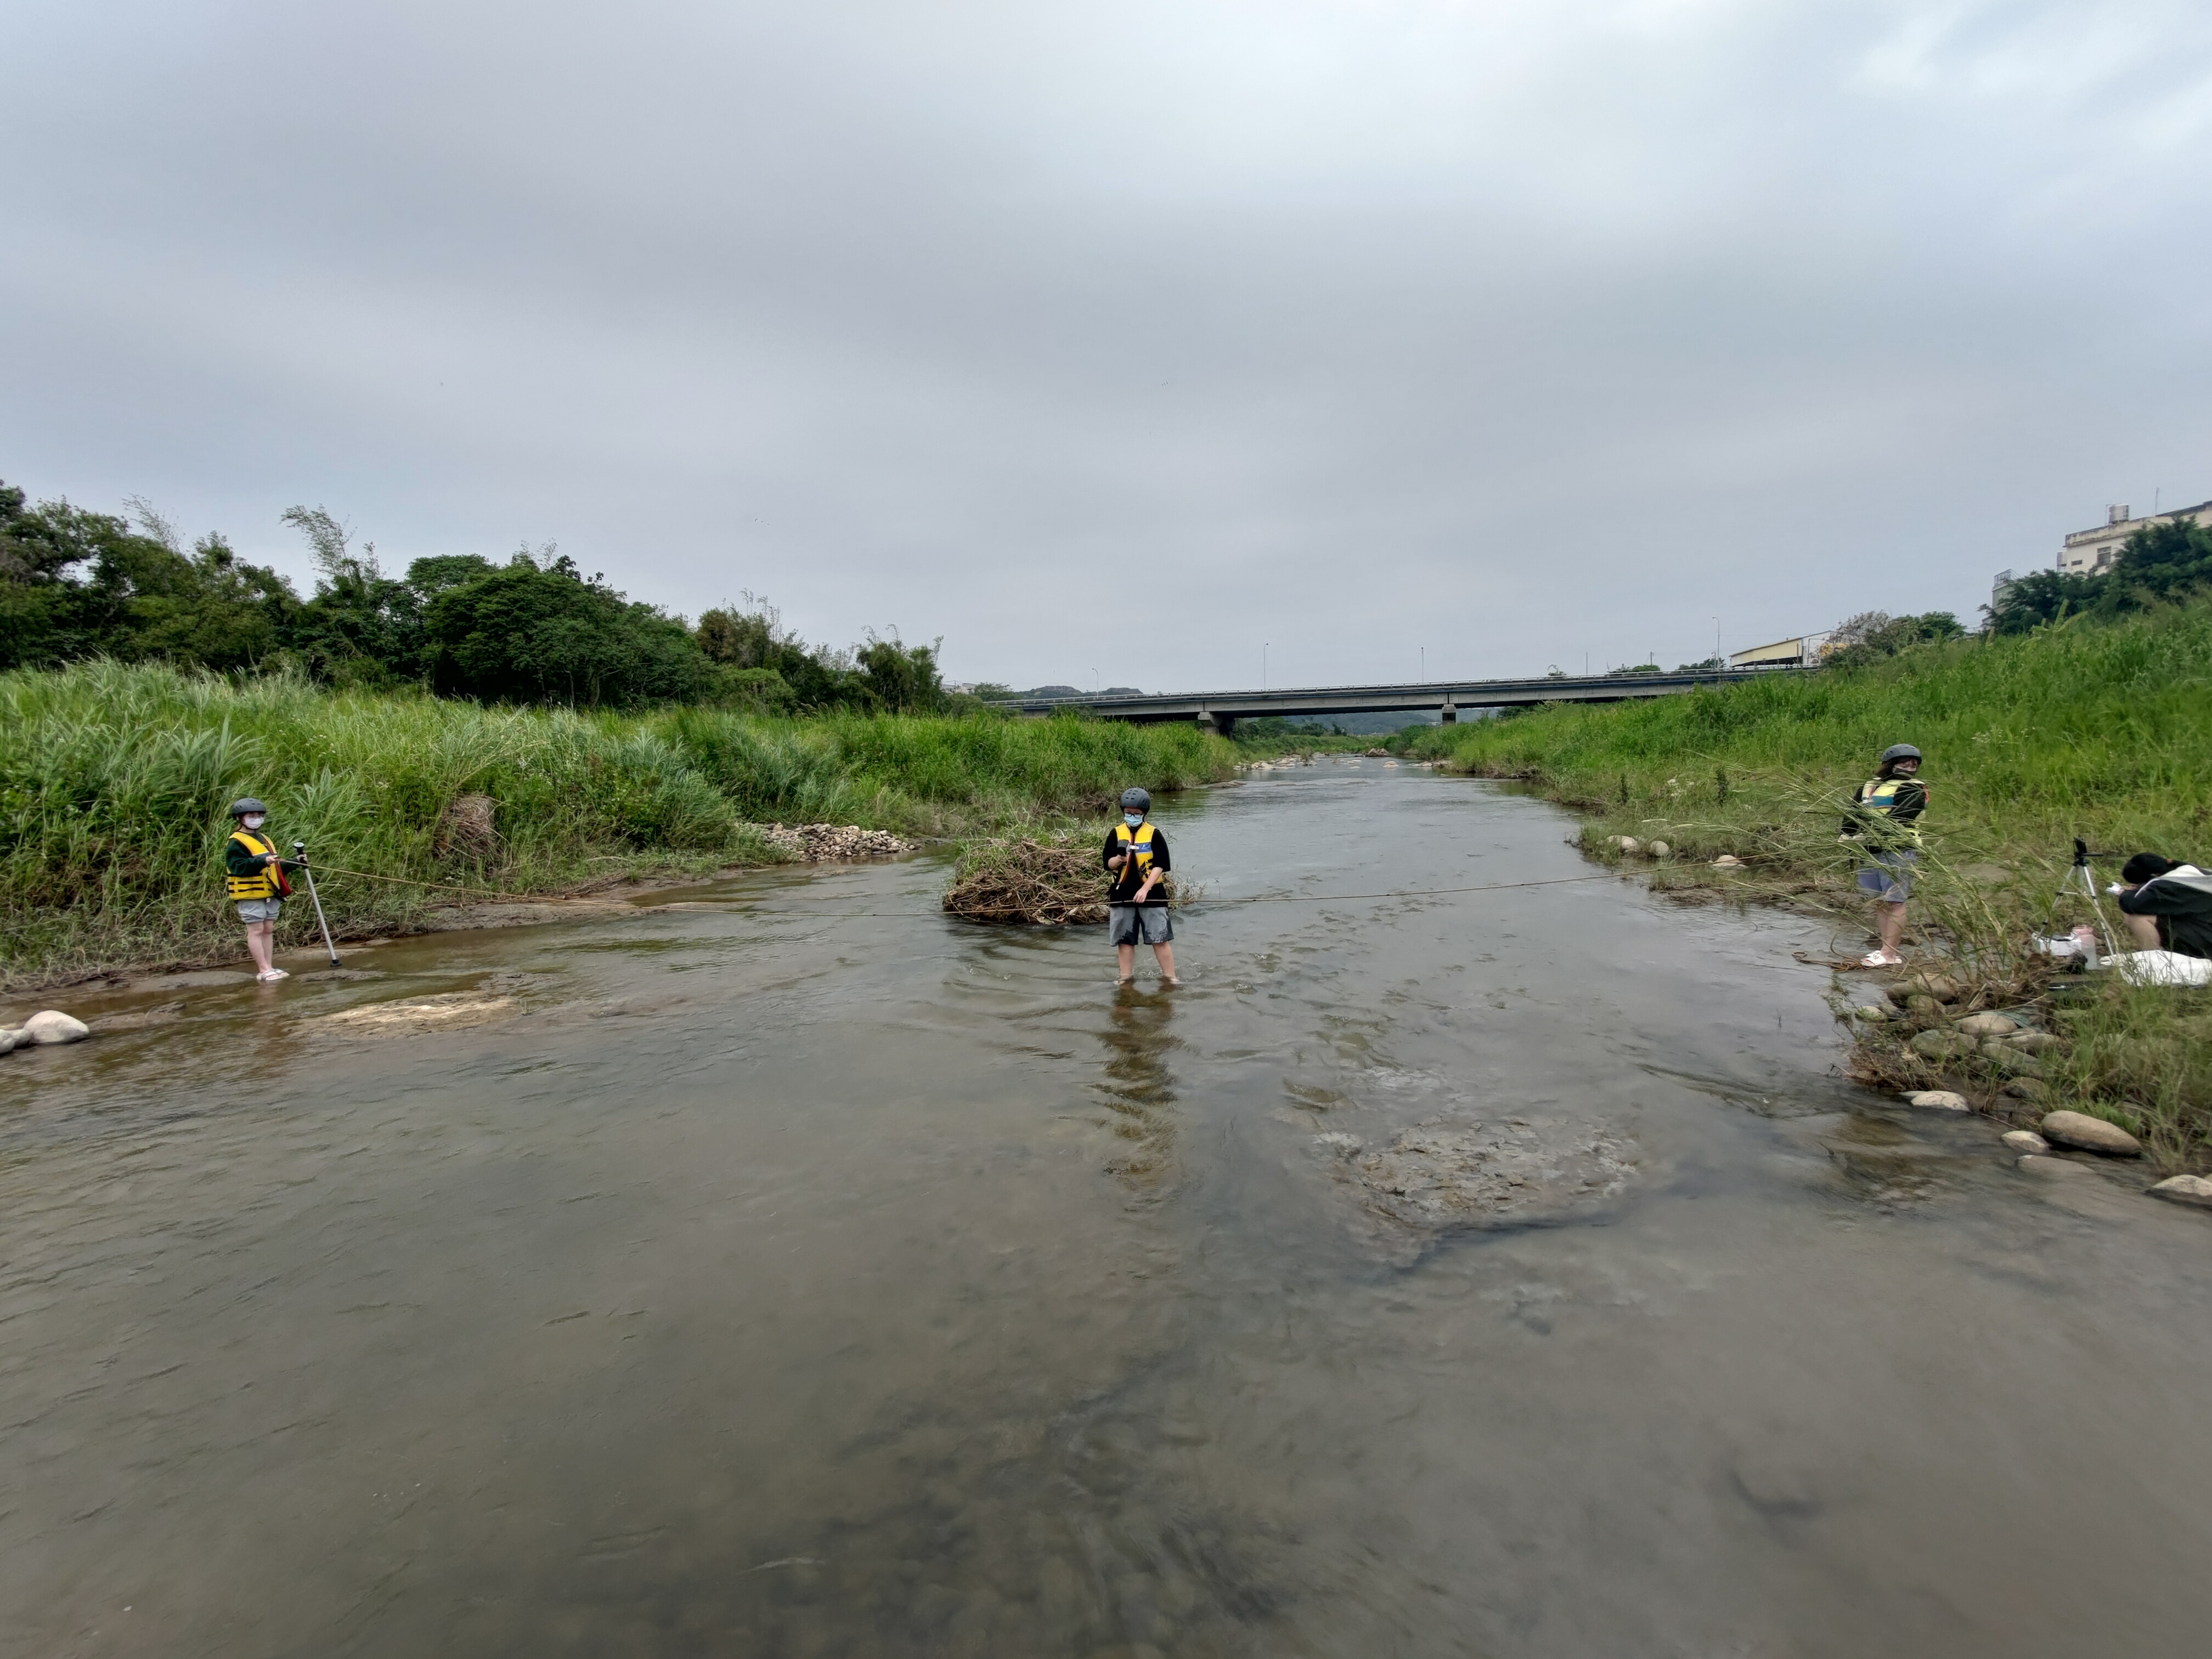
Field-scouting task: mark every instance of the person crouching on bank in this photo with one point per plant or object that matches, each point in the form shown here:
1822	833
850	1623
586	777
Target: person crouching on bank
1137	903
1885	813
255	882
2167	906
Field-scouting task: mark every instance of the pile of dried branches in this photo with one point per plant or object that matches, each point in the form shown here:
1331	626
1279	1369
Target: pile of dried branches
1056	883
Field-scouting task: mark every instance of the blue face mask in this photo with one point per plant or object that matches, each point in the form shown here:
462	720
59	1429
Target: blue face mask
1133	819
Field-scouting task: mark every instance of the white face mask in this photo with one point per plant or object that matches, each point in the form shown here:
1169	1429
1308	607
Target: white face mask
252	820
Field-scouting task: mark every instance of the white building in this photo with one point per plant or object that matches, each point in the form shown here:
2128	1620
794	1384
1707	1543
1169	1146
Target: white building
2086	552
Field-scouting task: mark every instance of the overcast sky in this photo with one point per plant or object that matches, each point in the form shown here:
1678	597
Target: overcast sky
1113	342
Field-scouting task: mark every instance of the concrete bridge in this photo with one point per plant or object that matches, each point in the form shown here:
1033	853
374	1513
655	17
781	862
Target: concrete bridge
1219	711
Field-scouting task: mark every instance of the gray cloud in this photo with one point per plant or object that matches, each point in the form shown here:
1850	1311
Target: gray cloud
1120	340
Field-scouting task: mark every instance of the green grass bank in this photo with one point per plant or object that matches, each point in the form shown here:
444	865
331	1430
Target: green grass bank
2101	729
114	780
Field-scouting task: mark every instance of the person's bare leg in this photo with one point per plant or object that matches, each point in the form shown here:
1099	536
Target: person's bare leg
2144	930
260	943
1165	955
1890	920
1127	955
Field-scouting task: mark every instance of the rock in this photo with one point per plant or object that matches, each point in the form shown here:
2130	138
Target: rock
2186	1189
1987	1025
1941	987
1898	993
1941	1100
1659	849
818	844
2035	1043
52	1026
2092	1134
1443	1175
1943	1045
2025	1140
1628	843
1728	861
2028	1089
2003	1057
7	1040
1921	1003
2036	1165
1377	754
1871	1012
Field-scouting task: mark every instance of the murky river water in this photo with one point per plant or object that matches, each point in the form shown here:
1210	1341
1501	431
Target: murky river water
774	1279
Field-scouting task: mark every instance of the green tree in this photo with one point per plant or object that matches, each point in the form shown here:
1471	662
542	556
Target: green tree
902	678
526	632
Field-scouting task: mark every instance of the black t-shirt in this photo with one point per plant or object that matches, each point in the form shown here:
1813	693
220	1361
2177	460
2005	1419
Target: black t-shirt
2182	901
1129	878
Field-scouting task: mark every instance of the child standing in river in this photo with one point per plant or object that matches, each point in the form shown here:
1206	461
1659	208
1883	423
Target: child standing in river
1136	857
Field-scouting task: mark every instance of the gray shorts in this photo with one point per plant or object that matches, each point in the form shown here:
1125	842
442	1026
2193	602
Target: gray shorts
1889	878
1124	922
259	909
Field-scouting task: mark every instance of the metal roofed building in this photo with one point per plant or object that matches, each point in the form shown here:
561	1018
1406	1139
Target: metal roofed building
1803	652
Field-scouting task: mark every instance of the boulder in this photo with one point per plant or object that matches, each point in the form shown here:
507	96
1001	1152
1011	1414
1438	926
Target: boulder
9	1039
1988	1026
2092	1134
1628	843
1871	1012
2035	1043
1940	1100
1898	993
50	1025
1728	861
2003	1057
2186	1189
1659	849
1921	1003
1941	987
1943	1045
2036	1164
2029	1089
2025	1140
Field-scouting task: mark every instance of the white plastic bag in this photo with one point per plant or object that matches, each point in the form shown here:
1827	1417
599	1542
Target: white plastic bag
2162	967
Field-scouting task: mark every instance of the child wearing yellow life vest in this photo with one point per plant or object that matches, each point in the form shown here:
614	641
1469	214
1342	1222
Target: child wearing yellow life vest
1884	812
1136	856
254	881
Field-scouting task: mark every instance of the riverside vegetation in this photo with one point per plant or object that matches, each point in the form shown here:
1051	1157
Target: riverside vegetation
115	778
2098	726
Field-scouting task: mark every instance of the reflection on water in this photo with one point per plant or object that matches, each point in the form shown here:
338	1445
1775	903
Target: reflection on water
1137	1087
753	1281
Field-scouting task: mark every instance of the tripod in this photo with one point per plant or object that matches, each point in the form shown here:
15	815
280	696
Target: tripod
2079	882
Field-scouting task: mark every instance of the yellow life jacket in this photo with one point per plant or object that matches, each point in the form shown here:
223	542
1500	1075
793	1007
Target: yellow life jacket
1140	841
262	883
1880	795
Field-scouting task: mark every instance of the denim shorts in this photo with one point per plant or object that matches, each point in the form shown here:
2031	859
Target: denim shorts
1889	878
1125	922
259	909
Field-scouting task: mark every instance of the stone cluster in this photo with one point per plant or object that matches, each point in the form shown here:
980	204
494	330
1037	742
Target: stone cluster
822	843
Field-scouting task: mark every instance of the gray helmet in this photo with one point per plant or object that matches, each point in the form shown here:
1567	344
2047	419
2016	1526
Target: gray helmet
1136	801
247	803
1898	752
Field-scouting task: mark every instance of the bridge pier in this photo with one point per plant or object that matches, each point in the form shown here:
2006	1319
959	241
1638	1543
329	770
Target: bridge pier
1219	724
1449	712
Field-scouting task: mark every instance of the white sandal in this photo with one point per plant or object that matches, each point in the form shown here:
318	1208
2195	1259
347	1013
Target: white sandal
274	973
1882	959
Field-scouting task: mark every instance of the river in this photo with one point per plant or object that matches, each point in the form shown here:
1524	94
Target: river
802	1273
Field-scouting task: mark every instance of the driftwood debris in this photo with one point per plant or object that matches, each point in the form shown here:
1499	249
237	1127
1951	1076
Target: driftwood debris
1055	882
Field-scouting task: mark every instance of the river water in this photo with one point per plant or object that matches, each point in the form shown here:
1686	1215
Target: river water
807	1274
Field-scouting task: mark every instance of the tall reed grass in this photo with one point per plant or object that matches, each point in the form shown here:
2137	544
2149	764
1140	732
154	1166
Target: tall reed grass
114	782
